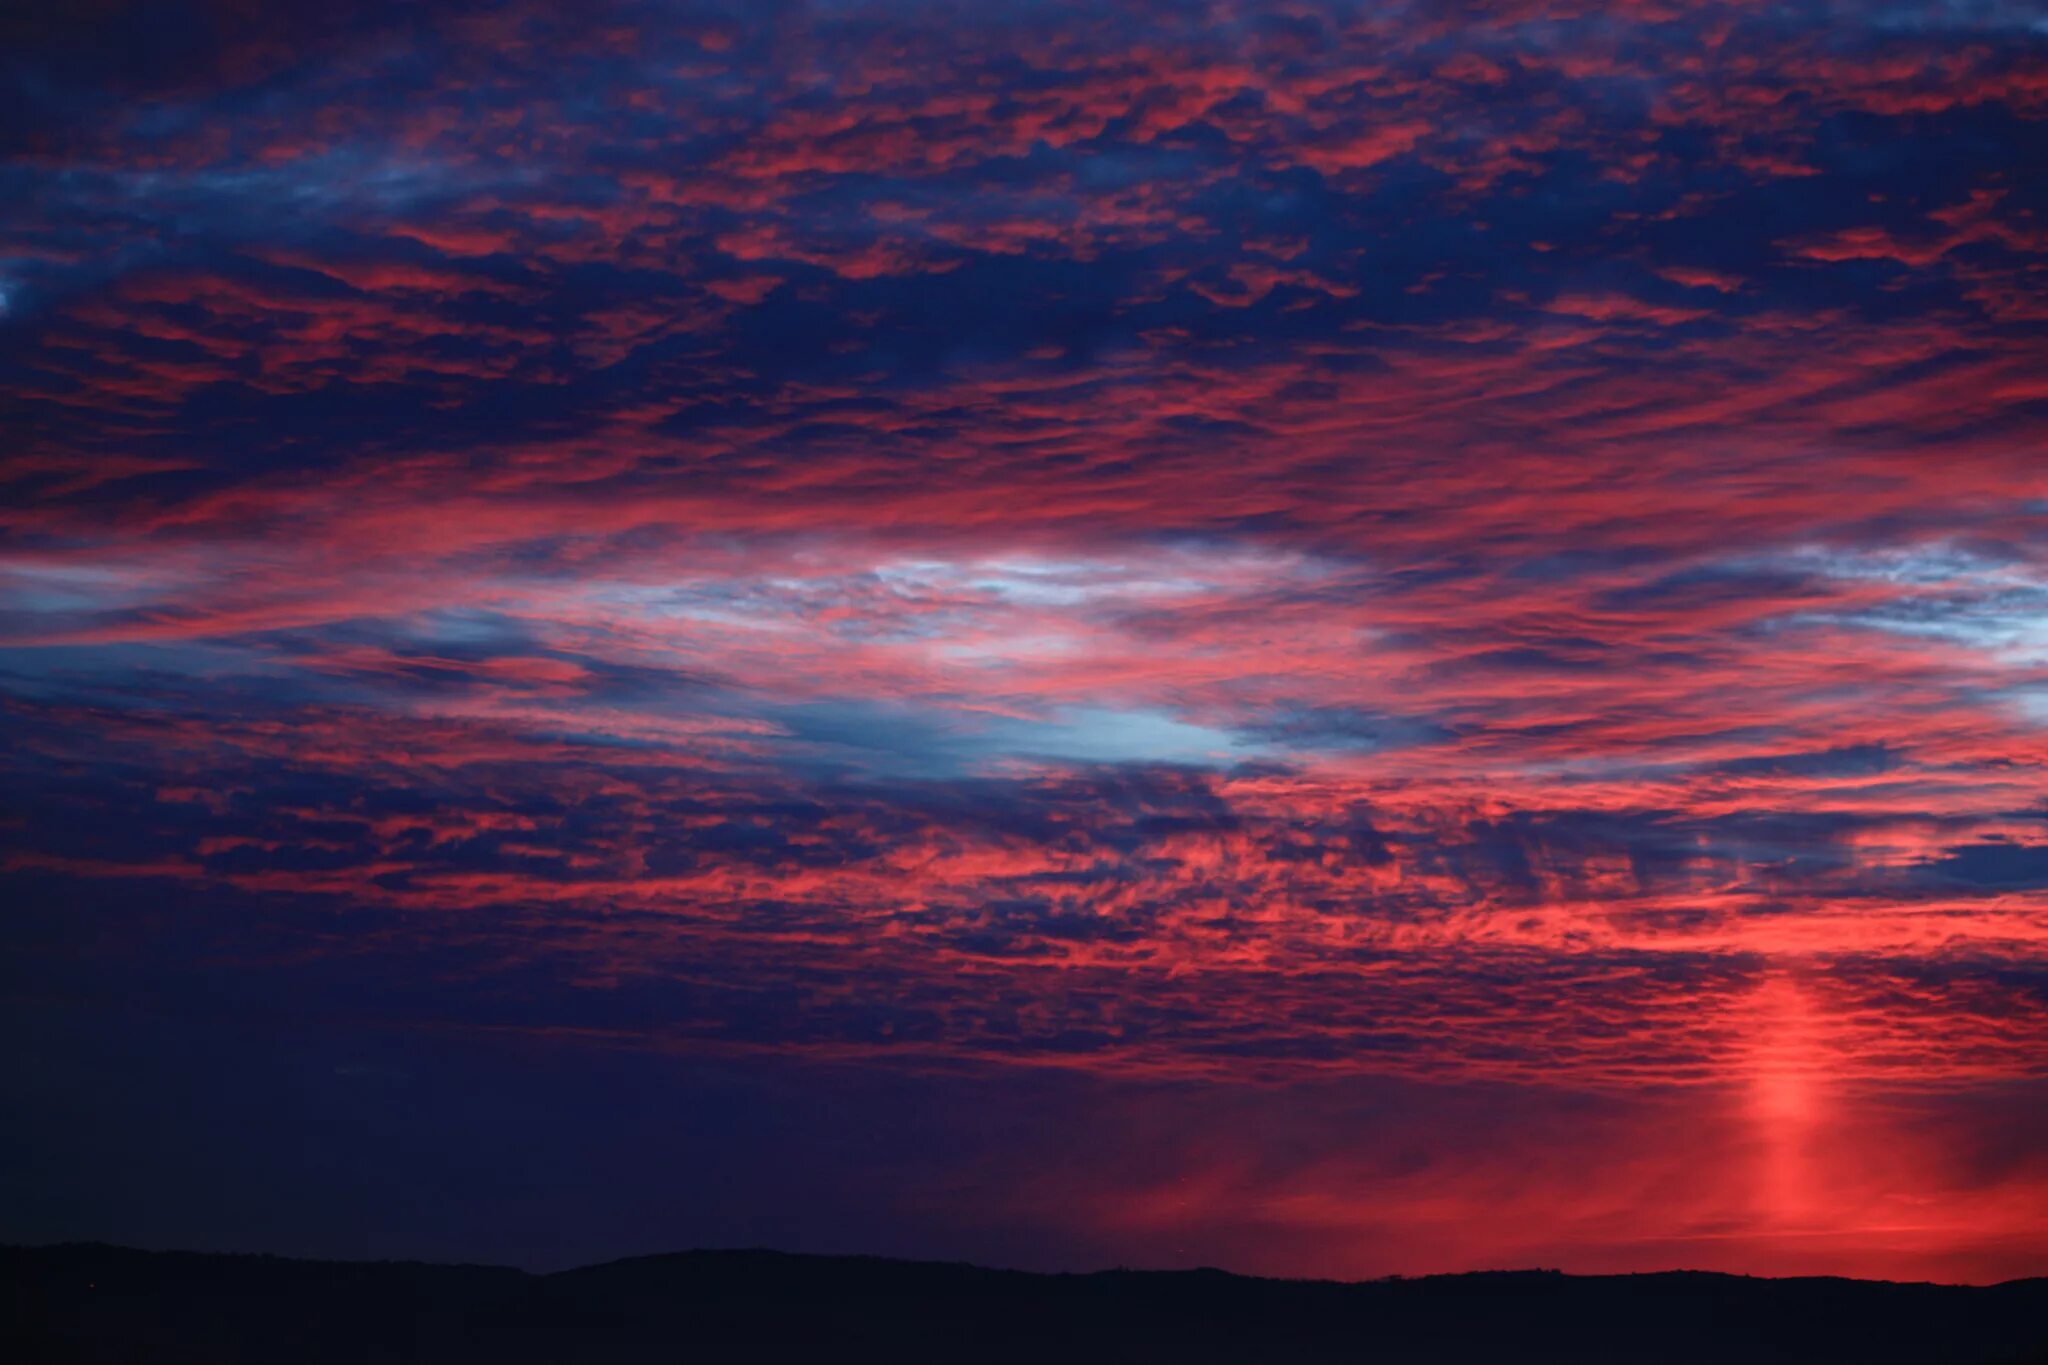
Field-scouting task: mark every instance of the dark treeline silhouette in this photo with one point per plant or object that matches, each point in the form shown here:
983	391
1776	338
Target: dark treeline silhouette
91	1303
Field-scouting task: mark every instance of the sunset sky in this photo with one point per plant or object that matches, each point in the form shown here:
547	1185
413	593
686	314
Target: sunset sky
1323	638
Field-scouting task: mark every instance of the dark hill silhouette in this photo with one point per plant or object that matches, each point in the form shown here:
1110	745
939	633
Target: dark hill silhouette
102	1305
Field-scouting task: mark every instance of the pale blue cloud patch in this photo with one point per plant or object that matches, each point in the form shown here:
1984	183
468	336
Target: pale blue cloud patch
1112	735
909	740
1946	591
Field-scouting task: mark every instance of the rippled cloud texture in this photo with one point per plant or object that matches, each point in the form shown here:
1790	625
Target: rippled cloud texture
1332	639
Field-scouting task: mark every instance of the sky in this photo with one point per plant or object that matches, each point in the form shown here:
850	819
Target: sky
1328	639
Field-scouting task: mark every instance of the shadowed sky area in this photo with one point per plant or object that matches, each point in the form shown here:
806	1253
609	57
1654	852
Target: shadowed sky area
1331	639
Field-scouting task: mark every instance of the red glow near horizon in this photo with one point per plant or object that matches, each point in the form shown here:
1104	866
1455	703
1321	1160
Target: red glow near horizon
1790	1105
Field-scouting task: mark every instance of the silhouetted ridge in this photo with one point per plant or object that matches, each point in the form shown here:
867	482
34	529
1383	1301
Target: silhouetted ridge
112	1305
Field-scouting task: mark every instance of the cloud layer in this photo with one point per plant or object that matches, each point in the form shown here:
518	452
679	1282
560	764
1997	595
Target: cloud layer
1416	570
